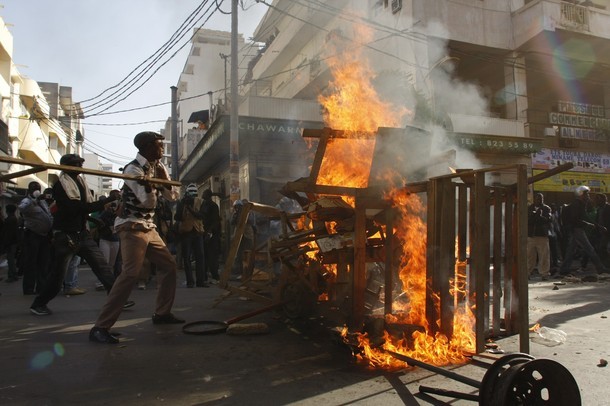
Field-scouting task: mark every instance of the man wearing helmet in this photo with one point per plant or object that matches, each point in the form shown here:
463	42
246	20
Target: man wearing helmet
576	222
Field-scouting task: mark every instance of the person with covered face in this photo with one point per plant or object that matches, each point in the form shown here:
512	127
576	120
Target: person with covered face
38	221
139	239
190	231
70	235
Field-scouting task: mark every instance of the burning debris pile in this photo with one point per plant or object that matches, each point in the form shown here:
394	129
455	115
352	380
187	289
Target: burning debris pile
388	247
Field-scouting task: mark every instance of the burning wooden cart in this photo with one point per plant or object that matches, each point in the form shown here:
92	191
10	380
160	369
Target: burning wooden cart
352	255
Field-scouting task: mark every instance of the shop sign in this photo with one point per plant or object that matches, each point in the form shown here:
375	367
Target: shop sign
489	143
568	181
548	158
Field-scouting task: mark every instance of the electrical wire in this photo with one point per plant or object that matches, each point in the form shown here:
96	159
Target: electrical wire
161	50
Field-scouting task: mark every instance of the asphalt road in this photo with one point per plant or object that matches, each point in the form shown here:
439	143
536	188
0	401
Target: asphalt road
49	360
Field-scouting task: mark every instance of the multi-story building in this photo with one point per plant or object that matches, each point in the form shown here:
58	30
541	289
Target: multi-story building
202	87
519	81
39	123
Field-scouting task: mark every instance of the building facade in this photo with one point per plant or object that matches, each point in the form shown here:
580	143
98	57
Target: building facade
502	82
39	122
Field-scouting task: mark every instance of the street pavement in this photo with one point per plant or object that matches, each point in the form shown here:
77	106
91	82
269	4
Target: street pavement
48	360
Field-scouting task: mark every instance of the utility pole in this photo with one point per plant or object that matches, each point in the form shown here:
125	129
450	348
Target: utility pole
174	133
225	57
234	122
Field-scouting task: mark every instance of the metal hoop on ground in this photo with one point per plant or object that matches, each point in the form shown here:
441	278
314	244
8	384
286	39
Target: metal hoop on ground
207	327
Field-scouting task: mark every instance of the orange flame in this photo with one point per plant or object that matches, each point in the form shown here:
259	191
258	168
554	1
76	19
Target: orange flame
354	107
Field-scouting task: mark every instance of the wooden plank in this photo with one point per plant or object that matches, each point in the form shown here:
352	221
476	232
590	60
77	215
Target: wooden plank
510	306
462	233
462	221
447	254
19	174
480	259
521	259
389	262
235	241
320	151
497	262
433	274
88	171
359	269
550	172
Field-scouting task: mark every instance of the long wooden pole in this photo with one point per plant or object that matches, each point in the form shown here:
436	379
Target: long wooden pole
19	174
87	171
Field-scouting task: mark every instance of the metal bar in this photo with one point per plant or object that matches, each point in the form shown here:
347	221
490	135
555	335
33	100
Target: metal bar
435	369
88	171
449	393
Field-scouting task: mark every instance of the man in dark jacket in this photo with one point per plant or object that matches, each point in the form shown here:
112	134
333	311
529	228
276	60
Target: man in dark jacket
38	221
603	227
70	235
538	226
577	223
211	240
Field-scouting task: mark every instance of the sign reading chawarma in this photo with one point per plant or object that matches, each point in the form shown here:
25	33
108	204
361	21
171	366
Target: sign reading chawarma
490	143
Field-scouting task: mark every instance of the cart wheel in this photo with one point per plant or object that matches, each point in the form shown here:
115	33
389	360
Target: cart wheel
538	382
205	327
494	374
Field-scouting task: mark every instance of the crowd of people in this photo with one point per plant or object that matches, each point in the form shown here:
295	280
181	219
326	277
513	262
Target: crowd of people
123	238
559	236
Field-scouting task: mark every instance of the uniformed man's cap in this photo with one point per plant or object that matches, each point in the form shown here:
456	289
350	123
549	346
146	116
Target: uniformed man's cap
146	137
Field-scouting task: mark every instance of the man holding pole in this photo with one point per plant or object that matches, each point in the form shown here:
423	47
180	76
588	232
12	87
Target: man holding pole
140	239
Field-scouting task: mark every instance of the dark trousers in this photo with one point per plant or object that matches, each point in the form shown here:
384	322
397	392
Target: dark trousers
36	251
192	243
65	247
11	260
578	238
211	249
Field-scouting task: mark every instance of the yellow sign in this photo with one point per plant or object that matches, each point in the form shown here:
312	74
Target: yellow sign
568	181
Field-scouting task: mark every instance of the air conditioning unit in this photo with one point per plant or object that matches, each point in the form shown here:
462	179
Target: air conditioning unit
396	6
550	132
216	185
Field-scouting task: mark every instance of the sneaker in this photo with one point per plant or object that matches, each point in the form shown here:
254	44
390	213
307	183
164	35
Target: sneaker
214	281
166	319
99	286
40	310
142	286
75	291
128	304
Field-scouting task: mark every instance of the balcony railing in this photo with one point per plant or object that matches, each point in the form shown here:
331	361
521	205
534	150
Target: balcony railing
574	16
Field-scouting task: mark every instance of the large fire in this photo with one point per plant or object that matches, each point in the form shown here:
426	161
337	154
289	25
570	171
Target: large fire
354	107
